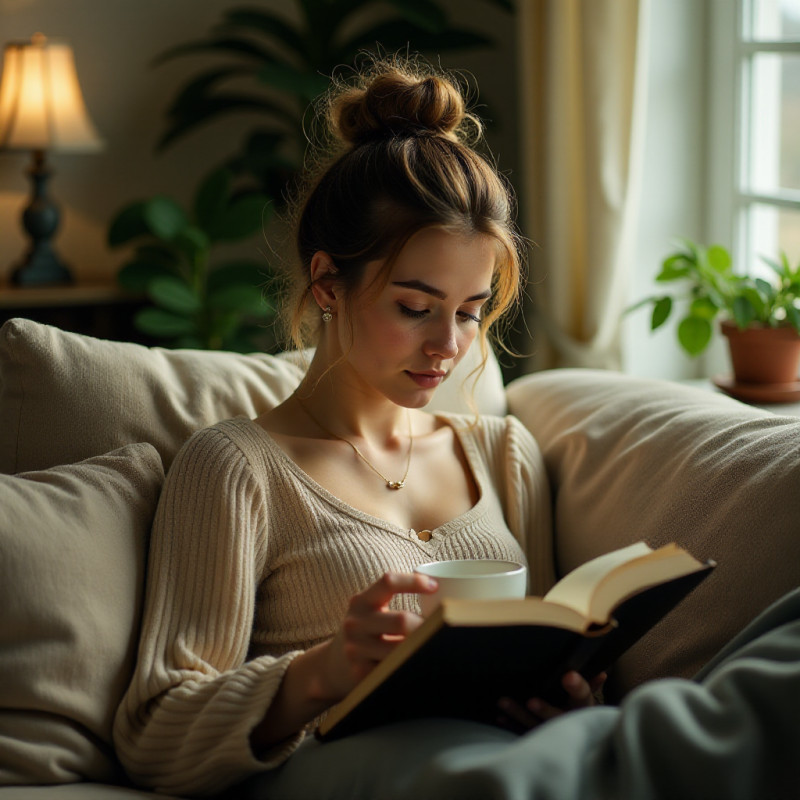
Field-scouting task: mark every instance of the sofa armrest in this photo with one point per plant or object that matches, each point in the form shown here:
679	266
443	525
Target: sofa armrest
640	459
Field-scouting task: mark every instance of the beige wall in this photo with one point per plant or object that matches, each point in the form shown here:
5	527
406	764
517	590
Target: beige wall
114	43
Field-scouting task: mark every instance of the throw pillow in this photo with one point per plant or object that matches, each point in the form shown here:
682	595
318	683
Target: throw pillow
72	555
633	458
65	397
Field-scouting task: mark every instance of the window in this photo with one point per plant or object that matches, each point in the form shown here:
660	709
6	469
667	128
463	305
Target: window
766	212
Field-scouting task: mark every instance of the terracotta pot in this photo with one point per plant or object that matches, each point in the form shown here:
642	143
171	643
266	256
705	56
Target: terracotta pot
760	354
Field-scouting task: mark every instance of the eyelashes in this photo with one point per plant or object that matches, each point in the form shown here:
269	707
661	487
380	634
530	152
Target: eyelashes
413	313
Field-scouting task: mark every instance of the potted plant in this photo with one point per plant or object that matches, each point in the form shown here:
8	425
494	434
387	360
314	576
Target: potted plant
759	318
197	303
272	66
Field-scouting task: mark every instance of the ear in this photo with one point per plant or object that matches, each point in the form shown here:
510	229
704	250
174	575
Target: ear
323	280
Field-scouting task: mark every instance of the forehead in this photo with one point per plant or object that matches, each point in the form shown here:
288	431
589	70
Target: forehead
453	260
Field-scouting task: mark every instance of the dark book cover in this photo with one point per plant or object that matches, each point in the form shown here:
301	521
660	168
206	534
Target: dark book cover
462	671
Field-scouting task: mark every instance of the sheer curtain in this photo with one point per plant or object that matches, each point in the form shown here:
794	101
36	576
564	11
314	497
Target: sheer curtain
582	110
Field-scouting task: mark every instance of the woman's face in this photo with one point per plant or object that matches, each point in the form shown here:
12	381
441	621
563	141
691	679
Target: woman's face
409	334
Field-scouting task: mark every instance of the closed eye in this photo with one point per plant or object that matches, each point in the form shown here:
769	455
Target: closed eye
412	312
467	317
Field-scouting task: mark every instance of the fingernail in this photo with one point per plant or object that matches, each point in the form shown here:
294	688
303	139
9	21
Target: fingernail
431	583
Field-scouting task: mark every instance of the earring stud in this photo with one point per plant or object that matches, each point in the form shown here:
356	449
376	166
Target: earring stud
327	316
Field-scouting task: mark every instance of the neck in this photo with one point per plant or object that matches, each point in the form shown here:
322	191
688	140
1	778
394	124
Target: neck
344	406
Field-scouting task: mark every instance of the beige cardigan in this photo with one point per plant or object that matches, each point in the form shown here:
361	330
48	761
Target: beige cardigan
252	561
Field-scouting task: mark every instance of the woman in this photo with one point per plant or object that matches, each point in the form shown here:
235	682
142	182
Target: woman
282	557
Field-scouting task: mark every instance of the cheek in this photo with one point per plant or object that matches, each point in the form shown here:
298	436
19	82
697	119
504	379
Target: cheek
378	332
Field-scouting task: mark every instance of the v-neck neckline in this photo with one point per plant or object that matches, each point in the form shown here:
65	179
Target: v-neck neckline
468	516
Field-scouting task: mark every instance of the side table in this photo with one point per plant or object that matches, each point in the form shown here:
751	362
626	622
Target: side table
102	310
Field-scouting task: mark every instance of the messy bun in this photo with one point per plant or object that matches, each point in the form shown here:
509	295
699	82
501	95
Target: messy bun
397	103
396	155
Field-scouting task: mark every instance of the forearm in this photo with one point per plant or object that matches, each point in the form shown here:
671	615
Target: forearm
304	694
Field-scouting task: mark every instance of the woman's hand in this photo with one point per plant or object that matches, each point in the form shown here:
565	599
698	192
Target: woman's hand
370	631
325	673
580	694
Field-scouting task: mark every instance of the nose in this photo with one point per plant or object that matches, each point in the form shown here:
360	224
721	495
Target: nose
443	342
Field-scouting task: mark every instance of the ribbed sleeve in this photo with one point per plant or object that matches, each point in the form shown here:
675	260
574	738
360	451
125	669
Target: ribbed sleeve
252	562
185	722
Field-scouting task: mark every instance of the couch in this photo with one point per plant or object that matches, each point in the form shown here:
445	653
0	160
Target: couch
88	428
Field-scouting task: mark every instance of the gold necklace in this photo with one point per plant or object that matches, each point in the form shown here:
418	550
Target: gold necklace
390	484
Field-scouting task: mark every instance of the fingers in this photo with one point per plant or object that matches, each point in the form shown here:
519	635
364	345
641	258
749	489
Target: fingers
526	716
370	631
381	592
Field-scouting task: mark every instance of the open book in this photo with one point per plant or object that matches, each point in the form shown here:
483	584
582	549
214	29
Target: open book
469	653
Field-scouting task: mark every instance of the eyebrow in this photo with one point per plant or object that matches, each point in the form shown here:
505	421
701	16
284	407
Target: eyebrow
421	286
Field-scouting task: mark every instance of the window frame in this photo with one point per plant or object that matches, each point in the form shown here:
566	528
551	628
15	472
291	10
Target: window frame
731	199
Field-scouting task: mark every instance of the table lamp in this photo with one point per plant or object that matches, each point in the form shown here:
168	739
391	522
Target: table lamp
41	109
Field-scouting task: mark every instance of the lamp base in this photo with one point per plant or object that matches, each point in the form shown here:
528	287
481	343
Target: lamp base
40	267
40	219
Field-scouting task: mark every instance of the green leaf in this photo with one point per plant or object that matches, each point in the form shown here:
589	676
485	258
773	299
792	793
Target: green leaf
173	294
220	104
694	334
285	78
675	267
157	323
793	316
268	24
765	289
194	244
398	34
129	223
250	273
199	89
164	217
136	276
703	307
212	196
776	266
224	44
718	258
243	217
662	308
744	312
428	15
158	253
241	298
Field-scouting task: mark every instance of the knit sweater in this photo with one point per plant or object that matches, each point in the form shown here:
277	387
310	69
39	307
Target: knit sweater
252	562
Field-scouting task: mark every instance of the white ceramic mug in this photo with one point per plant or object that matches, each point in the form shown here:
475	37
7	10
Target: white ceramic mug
474	579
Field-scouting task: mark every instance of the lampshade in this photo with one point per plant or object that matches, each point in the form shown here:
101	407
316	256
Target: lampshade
41	104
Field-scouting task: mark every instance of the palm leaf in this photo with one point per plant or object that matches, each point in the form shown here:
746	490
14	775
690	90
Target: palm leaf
218	105
224	44
197	90
268	24
401	33
426	14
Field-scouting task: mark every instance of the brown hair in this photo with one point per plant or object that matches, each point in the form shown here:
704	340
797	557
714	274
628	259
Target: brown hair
401	158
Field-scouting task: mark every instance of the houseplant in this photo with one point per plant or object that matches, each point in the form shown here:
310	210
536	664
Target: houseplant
760	319
197	302
274	65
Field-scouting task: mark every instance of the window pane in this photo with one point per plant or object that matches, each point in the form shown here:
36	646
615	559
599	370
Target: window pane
774	20
771	231
774	157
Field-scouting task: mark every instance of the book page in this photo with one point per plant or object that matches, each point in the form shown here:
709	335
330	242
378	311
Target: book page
575	589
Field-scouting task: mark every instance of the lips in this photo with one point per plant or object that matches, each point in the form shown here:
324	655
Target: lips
428	379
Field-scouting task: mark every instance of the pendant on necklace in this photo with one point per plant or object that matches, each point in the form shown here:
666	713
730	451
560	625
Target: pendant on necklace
395	484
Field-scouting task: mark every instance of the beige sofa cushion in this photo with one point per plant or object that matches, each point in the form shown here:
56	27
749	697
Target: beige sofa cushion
635	459
72	552
66	397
